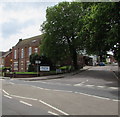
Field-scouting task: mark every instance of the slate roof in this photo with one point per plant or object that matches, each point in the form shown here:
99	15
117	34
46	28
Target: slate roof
36	40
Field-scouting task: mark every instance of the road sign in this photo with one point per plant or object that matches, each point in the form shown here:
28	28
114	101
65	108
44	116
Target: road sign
44	68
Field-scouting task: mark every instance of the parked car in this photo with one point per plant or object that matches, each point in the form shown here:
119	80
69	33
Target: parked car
115	64
101	64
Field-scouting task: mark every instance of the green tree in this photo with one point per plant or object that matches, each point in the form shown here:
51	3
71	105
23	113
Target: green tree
44	61
61	32
32	67
34	57
100	30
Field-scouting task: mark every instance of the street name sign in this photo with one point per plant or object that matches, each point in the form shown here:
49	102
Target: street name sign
44	68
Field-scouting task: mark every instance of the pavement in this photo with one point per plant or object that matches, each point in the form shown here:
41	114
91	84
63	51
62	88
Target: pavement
116	71
55	76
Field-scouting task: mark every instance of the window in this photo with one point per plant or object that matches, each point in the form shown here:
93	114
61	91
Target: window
36	50
22	53
21	63
28	63
30	51
15	54
21	68
15	65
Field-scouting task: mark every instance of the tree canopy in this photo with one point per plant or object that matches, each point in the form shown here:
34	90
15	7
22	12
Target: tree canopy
100	30
74	26
61	31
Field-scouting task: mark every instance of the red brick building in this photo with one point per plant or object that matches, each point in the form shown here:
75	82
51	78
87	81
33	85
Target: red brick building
2	59
8	59
22	51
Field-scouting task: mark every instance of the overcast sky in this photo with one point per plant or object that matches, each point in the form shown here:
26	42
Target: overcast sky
21	20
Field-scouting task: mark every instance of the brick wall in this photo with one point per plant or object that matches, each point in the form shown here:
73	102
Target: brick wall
8	60
21	63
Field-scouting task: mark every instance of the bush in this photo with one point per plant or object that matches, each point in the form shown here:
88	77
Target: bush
31	68
66	68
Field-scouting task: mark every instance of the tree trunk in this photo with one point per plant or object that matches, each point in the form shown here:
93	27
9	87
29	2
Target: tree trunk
101	58
73	54
74	58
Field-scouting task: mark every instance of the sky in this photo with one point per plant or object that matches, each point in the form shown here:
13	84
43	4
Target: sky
19	19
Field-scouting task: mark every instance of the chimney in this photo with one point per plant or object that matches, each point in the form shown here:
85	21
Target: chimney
10	49
20	40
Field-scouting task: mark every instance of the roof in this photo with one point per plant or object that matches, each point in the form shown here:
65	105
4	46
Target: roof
2	53
7	53
29	41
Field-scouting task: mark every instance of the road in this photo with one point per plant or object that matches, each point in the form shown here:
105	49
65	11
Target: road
78	94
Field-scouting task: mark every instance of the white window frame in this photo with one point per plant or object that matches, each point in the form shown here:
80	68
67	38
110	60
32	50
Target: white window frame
22	53
29	51
36	50
15	54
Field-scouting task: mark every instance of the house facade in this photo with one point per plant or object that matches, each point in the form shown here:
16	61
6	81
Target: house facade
22	51
2	59
8	59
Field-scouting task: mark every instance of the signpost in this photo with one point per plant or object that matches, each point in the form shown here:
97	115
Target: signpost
37	62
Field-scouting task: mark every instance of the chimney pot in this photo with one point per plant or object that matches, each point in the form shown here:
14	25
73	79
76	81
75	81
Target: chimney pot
20	40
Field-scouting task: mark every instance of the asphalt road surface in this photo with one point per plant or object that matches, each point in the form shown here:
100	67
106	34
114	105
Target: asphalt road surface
92	92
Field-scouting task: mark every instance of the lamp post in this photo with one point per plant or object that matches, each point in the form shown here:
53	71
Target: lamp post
37	62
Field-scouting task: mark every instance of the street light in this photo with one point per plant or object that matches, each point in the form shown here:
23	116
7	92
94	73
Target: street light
37	62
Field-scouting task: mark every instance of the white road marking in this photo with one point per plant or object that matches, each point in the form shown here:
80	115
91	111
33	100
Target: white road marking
96	96
116	100
50	83
81	83
62	90
8	96
6	92
97	86
11	83
51	89
37	87
46	89
89	85
52	113
24	97
113	87
53	107
101	97
26	103
78	84
101	86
